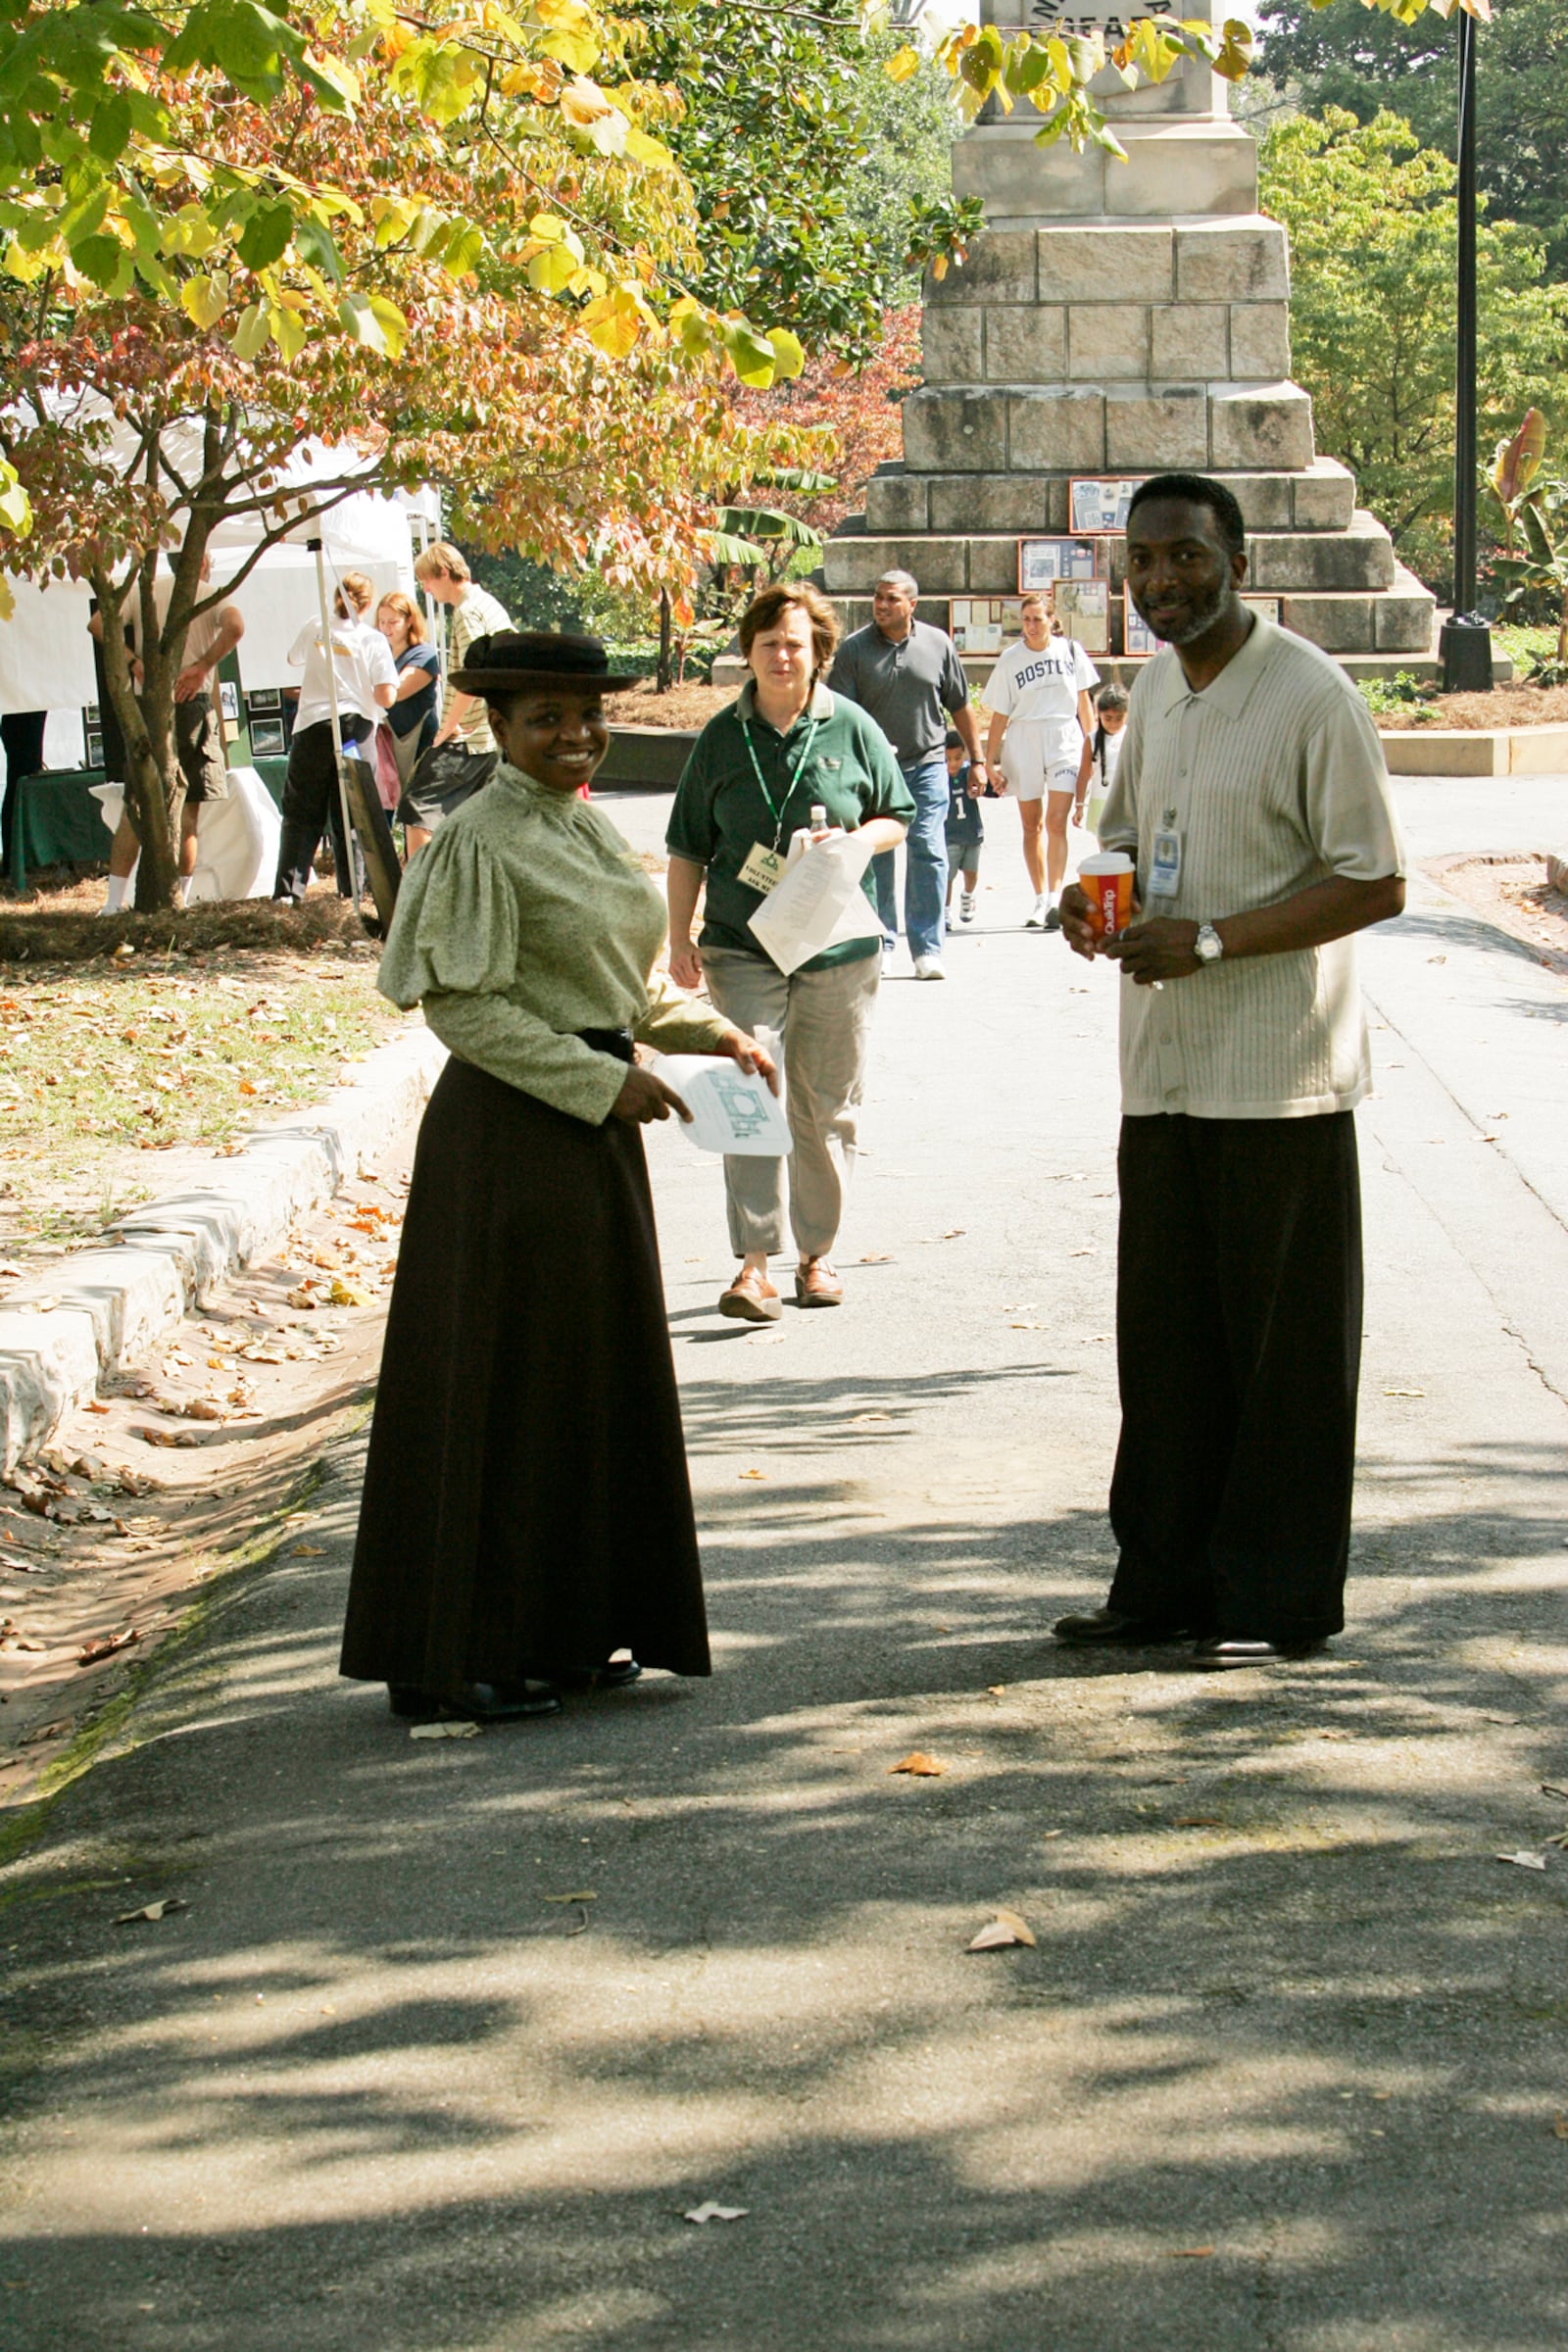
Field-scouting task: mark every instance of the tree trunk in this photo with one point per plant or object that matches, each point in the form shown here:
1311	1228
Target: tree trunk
666	675
155	789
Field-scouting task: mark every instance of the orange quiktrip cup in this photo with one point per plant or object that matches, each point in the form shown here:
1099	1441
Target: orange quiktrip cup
1107	882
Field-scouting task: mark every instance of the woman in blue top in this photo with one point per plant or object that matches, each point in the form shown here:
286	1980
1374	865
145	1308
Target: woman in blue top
411	717
786	746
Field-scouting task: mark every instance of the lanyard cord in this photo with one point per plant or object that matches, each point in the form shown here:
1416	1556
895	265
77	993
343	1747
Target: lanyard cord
778	814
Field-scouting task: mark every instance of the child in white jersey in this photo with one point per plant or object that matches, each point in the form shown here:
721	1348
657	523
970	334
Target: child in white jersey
1038	696
1098	771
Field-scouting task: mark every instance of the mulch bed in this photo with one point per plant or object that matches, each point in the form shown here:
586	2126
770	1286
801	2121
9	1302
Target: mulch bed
1503	706
688	705
1513	893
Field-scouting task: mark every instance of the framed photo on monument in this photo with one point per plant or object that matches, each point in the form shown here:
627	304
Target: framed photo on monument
1099	501
266	737
264	698
1042	562
1083	607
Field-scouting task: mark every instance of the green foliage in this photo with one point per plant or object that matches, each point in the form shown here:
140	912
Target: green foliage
1398	693
1373	253
1366	62
814	172
1541	573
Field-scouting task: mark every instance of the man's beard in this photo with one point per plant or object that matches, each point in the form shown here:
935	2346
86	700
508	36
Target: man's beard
1202	614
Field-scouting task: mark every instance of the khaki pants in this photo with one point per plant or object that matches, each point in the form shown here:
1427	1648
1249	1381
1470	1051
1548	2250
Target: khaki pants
824	1020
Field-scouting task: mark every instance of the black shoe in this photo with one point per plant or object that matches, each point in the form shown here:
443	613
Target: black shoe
1113	1629
475	1702
613	1677
1218	1652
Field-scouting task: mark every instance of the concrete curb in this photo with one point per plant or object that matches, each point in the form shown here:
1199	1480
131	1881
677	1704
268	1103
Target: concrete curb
1475	751
107	1305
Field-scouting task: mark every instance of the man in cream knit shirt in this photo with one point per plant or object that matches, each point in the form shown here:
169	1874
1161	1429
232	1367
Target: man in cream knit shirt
1253	797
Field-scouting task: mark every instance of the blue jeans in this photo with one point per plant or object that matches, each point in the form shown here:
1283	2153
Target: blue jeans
925	871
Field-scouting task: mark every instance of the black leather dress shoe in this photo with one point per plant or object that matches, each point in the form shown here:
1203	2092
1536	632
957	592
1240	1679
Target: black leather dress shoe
475	1702
1113	1629
1219	1652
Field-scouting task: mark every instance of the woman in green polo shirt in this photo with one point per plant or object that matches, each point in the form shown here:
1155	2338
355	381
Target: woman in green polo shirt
784	746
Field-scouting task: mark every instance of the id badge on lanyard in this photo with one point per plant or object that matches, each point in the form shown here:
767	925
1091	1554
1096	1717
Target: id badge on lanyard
1165	861
762	868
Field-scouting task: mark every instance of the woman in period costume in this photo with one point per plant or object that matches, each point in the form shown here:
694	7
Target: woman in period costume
526	1517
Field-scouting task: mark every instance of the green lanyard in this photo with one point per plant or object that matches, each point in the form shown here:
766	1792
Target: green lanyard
777	814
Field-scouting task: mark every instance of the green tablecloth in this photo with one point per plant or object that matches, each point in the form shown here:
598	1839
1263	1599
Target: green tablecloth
56	821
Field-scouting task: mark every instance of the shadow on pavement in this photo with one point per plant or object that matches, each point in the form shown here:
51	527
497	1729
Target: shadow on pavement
1281	2072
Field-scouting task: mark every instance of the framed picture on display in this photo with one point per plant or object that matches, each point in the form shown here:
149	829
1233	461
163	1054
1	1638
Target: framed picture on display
1042	562
979	624
1083	607
266	737
228	695
1099	501
95	748
264	698
1137	637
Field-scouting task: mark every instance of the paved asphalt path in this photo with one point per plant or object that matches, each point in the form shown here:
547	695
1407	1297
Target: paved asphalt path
1284	2068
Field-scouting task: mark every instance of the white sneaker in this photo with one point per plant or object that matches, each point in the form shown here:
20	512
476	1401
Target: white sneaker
929	967
1035	919
967	906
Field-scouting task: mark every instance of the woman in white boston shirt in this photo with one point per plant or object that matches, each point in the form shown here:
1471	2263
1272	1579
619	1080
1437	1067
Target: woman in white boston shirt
1038	696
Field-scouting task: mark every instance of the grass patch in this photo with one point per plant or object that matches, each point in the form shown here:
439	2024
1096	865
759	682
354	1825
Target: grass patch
97	1064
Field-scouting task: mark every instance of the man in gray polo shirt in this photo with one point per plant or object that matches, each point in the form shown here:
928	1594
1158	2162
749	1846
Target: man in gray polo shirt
1253	796
907	677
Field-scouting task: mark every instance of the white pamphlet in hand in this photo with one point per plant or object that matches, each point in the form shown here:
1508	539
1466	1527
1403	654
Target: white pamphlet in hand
820	903
731	1111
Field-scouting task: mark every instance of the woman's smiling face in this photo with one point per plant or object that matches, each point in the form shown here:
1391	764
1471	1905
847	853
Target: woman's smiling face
558	734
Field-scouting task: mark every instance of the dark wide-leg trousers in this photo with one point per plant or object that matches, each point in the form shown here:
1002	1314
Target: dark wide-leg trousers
312	806
1239	1346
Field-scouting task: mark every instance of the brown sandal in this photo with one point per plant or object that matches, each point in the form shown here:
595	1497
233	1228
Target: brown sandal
750	1299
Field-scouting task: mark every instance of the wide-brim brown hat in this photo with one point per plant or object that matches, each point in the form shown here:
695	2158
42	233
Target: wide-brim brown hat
514	659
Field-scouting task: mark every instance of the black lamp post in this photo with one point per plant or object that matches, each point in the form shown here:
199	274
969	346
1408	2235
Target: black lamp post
1465	643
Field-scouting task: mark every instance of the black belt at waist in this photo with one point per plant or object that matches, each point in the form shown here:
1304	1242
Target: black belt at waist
617	1041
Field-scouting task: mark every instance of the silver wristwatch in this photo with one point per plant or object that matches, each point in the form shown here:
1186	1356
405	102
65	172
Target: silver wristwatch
1208	947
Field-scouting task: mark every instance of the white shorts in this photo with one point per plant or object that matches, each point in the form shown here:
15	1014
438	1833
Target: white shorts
1039	755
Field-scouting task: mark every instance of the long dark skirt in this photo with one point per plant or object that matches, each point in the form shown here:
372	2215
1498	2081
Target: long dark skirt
526	1508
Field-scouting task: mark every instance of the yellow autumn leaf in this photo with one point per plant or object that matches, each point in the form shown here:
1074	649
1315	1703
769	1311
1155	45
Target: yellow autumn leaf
584	103
205	299
903	64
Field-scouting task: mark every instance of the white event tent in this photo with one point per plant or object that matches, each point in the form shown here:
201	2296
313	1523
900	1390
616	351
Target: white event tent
45	650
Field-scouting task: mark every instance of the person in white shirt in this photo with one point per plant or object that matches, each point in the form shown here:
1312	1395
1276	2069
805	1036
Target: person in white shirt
442	571
366	680
198	728
1038	696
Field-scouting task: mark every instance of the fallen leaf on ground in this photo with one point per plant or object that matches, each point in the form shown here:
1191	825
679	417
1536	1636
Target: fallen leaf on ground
870	1420
587	1898
1188	2253
1405	1392
1559	2124
918	1765
1550	1788
158	1910
92	1653
710	2212
1525	1859
954	1233
350	1294
1002	1930
202	1409
95	1404
308	1551
877	1257
444	1730
298	1298
753	1474
995	1689
1198	1821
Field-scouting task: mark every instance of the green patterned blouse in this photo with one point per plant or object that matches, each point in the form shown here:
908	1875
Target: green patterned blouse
524	920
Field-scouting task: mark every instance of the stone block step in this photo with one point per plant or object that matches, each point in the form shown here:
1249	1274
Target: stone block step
1400	619
972	563
1243	257
1172	166
1102	342
901	504
1077	428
